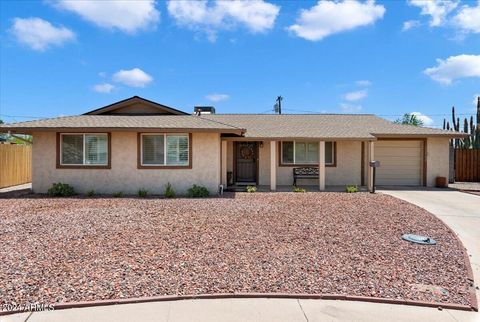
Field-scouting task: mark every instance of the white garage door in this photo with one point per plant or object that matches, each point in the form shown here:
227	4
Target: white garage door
401	163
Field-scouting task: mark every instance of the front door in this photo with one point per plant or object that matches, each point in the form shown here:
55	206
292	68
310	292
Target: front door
246	162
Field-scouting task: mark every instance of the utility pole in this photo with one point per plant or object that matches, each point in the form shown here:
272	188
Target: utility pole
278	105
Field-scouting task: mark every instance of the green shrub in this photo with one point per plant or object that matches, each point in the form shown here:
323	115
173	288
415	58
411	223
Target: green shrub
298	189
61	190
197	192
351	188
142	193
118	194
169	192
91	193
251	189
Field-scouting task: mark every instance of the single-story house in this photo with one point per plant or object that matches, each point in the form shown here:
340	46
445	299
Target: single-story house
137	143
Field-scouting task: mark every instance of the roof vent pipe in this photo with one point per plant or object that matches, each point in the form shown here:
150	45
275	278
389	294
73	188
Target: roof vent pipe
198	110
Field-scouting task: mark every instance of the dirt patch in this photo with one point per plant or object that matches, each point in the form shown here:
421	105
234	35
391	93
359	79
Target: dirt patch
64	250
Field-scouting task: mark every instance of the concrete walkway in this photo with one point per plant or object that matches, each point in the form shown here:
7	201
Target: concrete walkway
25	186
460	211
223	310
16	191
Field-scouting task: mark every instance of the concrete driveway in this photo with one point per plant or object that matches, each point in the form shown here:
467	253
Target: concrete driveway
459	210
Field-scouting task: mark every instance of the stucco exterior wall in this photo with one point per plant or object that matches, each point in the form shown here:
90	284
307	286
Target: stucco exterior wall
264	164
437	159
230	156
347	170
124	175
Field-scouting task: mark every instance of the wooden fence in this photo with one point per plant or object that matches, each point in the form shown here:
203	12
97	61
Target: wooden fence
467	165
15	164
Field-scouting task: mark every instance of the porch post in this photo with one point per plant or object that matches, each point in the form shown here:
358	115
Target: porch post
273	165
321	166
224	164
371	157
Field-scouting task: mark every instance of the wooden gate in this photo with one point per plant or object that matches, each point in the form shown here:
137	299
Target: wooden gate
467	165
15	164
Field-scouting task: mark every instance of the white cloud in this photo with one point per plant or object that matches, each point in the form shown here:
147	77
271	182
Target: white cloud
410	24
468	19
133	77
255	15
103	88
355	96
350	108
39	34
425	119
127	16
328	17
217	97
437	10
364	83
454	67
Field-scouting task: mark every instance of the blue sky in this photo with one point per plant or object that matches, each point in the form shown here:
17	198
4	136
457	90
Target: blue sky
382	57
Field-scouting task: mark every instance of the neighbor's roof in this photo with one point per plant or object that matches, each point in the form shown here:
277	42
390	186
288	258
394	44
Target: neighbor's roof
328	126
123	123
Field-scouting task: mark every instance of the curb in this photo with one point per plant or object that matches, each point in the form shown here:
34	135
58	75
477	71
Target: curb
471	289
164	298
471	192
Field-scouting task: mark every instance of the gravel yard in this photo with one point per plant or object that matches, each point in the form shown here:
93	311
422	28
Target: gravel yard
68	250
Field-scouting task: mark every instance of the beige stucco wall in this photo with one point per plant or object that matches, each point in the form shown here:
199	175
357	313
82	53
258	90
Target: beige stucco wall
347	171
124	175
437	159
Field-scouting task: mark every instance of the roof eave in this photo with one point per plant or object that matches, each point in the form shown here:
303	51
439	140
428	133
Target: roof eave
417	135
319	138
30	130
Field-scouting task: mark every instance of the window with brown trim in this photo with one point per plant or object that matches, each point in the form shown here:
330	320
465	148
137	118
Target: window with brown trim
83	150
305	153
164	150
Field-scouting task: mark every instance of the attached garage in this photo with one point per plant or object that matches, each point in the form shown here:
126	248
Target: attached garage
401	162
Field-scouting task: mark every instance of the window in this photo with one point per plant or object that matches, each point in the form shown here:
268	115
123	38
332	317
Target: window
84	149
165	150
304	152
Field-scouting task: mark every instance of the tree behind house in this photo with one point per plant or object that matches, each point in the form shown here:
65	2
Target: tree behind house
409	119
21	139
3	136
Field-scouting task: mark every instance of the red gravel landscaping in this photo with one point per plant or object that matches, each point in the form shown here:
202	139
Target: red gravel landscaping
69	250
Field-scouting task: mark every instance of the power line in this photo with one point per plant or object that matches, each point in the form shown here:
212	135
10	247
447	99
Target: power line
387	115
446	114
269	110
25	116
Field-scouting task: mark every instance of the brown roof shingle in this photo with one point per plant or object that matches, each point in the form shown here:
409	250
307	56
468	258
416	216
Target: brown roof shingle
328	126
262	126
124	122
